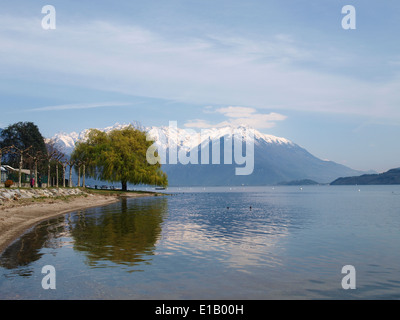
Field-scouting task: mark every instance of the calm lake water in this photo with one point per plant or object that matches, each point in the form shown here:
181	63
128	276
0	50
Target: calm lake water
291	244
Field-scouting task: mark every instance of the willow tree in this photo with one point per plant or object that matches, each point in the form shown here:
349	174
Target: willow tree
119	156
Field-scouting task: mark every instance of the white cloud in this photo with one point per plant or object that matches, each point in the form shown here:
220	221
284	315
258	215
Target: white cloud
236	112
259	121
239	116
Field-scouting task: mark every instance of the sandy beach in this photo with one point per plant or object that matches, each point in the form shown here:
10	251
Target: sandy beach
17	217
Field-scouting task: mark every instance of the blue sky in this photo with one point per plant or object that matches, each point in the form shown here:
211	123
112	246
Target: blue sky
285	67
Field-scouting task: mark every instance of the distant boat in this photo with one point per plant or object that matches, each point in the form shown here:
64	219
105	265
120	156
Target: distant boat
160	188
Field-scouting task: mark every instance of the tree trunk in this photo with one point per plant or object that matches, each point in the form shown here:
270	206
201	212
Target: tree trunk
48	175
63	175
57	175
124	186
79	176
36	174
70	176
83	176
20	172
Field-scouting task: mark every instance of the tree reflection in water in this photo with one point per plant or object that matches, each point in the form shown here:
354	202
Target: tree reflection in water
126	236
124	233
27	249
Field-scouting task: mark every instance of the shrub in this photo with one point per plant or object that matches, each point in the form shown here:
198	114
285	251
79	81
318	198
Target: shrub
8	183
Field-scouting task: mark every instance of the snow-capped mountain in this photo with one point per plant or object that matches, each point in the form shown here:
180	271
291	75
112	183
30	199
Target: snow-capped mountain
276	159
163	136
189	139
65	142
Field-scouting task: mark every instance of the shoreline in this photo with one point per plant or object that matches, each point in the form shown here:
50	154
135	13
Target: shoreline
18	217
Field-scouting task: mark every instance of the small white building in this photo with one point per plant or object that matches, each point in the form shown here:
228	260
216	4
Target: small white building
4	174
6	170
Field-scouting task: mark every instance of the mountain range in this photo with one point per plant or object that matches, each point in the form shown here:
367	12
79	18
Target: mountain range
276	159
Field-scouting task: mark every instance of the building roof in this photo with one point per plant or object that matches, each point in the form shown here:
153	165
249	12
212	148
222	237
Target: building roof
8	168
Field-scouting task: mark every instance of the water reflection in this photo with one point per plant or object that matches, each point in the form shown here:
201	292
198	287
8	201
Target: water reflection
123	233
125	236
290	244
27	249
238	237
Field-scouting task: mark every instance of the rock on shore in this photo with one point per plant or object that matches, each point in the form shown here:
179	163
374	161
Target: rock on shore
13	194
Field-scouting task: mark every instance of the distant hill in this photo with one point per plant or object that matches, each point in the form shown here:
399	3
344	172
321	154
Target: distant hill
304	182
389	177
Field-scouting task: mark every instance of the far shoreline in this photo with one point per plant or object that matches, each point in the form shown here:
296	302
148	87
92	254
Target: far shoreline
17	217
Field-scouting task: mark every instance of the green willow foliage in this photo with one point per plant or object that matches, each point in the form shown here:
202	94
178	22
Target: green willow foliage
119	156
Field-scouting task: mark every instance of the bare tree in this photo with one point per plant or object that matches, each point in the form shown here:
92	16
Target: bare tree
21	154
53	154
65	162
58	159
81	169
35	159
71	164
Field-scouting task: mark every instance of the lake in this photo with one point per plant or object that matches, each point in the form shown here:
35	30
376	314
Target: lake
255	243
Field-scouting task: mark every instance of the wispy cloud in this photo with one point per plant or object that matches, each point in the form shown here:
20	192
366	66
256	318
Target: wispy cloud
80	106
223	70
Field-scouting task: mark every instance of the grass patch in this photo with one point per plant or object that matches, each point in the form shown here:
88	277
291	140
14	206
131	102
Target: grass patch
112	192
109	192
